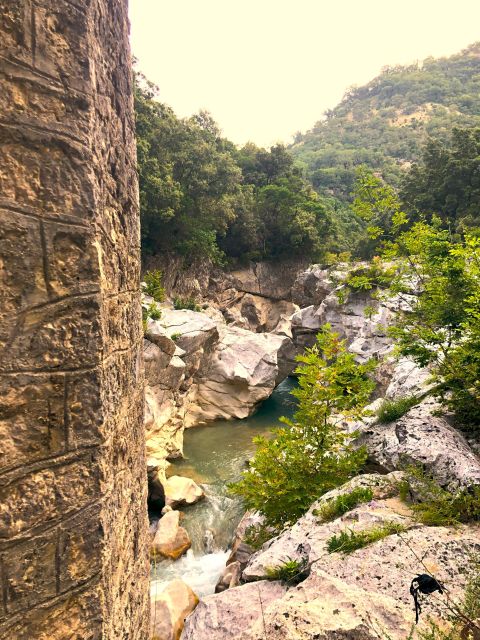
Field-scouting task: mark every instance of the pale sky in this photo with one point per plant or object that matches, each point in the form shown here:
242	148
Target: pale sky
268	68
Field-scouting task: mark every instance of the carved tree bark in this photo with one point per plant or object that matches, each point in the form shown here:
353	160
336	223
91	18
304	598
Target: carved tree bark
73	554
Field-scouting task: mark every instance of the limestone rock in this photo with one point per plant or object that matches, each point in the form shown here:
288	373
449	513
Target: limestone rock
305	541
157	334
171	540
169	610
227	615
329	609
192	330
421	438
243	370
272	280
407	379
182	491
312	286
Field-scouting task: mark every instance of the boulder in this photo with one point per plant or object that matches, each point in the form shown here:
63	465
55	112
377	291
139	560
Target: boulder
312	286
156	360
421	437
171	540
192	330
169	610
323	608
157	334
242	371
407	379
228	615
182	491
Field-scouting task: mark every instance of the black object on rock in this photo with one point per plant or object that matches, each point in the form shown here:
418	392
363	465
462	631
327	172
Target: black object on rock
424	584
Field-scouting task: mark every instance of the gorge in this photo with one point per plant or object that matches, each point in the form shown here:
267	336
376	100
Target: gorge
140	359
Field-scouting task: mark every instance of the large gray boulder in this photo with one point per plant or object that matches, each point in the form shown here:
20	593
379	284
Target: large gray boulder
191	330
228	615
242	371
422	437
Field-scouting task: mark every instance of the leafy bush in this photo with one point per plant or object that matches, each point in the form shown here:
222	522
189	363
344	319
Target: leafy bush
256	536
154	286
442	327
391	410
186	303
151	312
343	504
349	540
311	454
436	506
292	571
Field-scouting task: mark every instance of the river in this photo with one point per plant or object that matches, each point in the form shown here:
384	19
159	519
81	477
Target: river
214	456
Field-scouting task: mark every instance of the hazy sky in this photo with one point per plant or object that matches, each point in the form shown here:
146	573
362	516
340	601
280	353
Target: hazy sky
268	68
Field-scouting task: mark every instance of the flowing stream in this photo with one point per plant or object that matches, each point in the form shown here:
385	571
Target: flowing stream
215	455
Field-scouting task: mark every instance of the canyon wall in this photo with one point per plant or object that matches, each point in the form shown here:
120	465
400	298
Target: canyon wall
73	558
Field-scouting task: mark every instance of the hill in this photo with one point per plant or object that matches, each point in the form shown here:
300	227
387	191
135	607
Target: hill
385	123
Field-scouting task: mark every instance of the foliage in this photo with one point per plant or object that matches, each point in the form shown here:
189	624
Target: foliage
291	571
152	312
383	124
257	535
349	540
186	303
436	506
311	454
442	328
343	504
175	336
153	285
391	410
200	196
446	181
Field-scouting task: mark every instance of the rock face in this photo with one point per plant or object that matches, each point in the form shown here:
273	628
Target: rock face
199	369
242	371
169	610
422	438
171	540
72	470
229	615
363	595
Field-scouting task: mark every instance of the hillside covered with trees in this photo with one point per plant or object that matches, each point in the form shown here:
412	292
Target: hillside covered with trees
385	123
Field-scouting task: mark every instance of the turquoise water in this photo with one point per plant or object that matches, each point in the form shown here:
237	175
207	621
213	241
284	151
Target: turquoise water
214	456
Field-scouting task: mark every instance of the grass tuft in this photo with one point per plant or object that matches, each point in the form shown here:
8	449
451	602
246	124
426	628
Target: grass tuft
291	571
349	540
343	504
391	410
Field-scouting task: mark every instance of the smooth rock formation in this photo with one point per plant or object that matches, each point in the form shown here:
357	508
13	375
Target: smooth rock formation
171	540
169	610
182	491
243	370
422	438
73	518
228	615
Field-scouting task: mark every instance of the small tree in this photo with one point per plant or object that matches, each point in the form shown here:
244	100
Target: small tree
312	453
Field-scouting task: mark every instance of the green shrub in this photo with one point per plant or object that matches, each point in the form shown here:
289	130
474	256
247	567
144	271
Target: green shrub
153	285
256	536
438	507
349	540
186	303
291	571
343	504
152	312
391	410
175	336
310	455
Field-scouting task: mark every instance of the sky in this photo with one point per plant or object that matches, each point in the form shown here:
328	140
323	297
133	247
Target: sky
266	69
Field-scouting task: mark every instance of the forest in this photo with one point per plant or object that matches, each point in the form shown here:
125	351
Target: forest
417	127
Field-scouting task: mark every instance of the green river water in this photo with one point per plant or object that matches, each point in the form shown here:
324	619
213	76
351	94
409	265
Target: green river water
215	455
